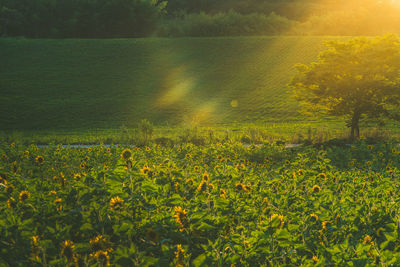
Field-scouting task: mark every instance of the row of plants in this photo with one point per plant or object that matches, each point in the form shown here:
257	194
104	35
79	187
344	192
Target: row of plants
223	204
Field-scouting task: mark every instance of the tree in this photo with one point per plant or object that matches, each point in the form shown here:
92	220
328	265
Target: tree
8	17
354	79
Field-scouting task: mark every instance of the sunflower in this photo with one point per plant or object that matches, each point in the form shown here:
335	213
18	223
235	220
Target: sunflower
62	177
116	203
300	172
126	154
145	169
77	176
190	181
25	154
242	166
368	240
83	165
102	256
325	224
177	186
39	160
3	180
52	192
11	203
202	186
35	247
220	158
239	186
379	231
314	217
247	188
322	176
315	259
188	155
152	235
370	147
35	240
179	256
316	189
4	157
181	218
147	148
98	243
60	208
196	168
57	201
24	195
67	249
210	186
205	176
222	193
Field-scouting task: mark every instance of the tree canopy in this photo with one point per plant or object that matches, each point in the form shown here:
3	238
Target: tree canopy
354	79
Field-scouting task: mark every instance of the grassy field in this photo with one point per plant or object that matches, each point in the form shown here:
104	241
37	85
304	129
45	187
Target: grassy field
85	84
289	133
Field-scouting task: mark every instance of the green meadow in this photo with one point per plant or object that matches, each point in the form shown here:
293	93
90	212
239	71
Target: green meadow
86	84
96	90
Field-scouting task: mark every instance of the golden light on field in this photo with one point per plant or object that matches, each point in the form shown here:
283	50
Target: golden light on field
189	91
234	103
179	92
177	85
203	114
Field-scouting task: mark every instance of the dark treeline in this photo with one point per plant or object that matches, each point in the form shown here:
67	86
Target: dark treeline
142	18
79	18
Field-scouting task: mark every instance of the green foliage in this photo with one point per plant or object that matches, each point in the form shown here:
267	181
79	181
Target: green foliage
226	24
94	19
259	205
352	79
145	129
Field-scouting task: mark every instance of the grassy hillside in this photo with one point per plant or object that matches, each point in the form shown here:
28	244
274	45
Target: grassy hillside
59	84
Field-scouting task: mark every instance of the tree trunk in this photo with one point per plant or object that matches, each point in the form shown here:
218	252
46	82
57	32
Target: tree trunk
355	129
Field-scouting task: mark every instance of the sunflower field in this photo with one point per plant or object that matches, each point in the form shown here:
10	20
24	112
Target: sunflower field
220	204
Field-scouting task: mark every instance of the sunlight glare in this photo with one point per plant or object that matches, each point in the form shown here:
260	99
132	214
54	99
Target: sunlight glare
178	86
